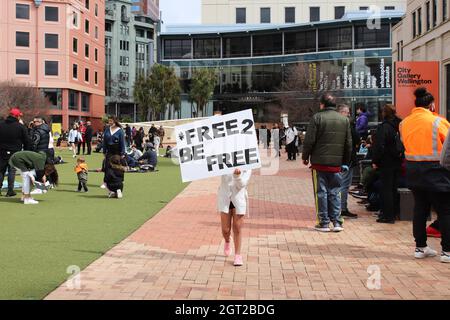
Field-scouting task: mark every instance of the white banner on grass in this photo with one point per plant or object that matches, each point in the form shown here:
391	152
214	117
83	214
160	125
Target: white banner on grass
217	146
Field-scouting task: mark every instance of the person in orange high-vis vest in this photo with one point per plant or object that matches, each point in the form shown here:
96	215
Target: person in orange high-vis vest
423	134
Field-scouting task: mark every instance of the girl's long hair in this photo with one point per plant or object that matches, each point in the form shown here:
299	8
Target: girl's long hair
51	173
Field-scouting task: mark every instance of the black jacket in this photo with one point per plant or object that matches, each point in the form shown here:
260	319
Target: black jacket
13	135
40	137
88	134
355	143
384	152
114	176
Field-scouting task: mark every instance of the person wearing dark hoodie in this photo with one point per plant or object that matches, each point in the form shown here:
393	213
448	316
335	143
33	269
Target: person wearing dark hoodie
13	138
387	158
362	121
40	137
114	176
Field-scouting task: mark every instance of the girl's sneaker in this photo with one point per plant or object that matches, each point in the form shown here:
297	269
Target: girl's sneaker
445	257
422	253
119	194
103	186
30	201
112	195
238	260
227	249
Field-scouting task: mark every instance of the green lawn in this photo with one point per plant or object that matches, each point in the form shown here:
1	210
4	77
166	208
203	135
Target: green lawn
38	243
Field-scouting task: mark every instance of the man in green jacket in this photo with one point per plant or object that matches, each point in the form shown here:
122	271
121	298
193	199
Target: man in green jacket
328	147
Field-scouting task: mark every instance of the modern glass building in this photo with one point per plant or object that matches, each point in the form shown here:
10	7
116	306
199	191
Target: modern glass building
280	69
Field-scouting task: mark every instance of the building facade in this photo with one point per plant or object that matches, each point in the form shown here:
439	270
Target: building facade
130	52
284	69
286	11
424	35
57	46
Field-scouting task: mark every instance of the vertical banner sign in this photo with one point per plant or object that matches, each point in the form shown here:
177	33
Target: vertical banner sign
410	75
217	146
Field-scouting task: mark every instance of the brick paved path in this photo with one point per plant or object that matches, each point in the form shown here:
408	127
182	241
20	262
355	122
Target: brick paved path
178	253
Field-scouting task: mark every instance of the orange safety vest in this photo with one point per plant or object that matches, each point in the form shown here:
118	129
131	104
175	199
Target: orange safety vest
423	135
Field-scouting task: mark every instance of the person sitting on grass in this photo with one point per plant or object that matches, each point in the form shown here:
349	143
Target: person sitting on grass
115	176
33	166
81	170
149	157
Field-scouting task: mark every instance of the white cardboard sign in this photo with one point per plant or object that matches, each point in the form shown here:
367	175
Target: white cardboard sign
217	146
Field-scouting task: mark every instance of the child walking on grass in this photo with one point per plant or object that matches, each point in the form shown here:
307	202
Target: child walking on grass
114	177
81	170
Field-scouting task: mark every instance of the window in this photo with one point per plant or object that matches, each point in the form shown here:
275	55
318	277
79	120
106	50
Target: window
335	39
434	13
372	38
236	47
51	41
444	10
339	12
300	42
87	4
108	27
52	14
22	11
73	100
414	25
51	68
96	77
124	61
85	102
400	51
86	26
86	50
75	19
387	8
241	15
86	74
22	67
419	21
207	48
314	14
22	39
96	10
363	8
289	15
75	45
427	8
267	45
265	15
177	49
96	55
52	97
75	71
96	32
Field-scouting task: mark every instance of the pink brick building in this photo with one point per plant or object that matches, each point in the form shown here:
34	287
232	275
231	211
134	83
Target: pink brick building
59	47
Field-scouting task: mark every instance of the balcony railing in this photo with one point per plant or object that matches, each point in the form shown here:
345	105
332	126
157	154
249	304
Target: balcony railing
125	18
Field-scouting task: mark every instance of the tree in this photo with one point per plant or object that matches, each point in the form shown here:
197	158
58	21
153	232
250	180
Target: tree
29	99
156	92
202	88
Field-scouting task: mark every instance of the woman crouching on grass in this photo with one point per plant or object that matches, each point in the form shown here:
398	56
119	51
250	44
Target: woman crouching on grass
232	205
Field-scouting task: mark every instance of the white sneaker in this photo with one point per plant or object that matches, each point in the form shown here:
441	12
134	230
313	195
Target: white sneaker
103	186
119	194
111	195
30	201
37	191
422	253
445	257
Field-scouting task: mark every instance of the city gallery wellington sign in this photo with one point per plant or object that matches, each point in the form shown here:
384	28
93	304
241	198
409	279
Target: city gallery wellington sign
409	75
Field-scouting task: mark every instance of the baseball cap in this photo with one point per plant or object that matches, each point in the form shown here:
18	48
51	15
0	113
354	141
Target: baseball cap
15	112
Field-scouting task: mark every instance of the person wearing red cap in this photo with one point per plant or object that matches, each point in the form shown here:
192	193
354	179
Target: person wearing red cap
13	138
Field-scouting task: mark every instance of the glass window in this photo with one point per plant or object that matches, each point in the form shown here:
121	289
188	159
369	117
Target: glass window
419	21
51	68
108	27
389	8
335	39
314	14
51	41
96	54
86	26
267	44
52	97
434	13
241	15
266	78
96	10
85	102
265	15
363	8
177	49
22	39
236	47
75	45
339	12
372	38
86	50
289	15
73	99
96	32
96	77
414	29
22	11
427	8
444	10
87	4
86	74
22	67
75	19
300	42
51	14
75	71
207	48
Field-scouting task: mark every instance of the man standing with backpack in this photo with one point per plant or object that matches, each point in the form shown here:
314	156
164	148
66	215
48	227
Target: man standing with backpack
387	157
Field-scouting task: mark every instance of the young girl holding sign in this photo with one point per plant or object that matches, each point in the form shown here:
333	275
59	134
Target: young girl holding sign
232	204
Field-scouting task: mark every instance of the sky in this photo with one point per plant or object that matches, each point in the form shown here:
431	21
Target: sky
180	11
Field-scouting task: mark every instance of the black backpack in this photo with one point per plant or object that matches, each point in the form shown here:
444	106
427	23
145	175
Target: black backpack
398	148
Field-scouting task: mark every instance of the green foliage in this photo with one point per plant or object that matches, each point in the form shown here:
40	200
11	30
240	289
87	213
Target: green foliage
202	88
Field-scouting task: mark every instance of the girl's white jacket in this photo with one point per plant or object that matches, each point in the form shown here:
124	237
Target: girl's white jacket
234	189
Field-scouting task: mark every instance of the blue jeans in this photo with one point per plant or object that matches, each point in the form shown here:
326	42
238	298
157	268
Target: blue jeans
327	192
347	178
